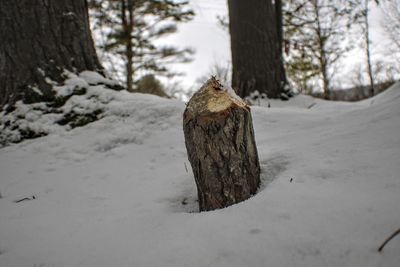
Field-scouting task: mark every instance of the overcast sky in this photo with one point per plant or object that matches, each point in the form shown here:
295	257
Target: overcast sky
212	43
209	40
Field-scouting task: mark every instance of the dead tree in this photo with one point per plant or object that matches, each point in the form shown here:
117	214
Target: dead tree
220	142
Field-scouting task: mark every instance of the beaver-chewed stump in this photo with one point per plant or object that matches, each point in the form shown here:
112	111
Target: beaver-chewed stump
220	142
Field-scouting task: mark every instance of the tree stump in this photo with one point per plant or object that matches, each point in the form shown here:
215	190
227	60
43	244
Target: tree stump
219	139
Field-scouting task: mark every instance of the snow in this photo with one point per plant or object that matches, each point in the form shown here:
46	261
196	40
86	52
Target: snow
94	78
42	119
83	80
116	192
36	90
231	92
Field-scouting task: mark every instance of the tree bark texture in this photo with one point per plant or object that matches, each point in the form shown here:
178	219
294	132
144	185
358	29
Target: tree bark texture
279	28
219	139
256	49
39	39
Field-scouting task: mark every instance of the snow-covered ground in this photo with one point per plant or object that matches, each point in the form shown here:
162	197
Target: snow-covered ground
120	191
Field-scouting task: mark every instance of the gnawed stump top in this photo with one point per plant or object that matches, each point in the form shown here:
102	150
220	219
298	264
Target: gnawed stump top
212	101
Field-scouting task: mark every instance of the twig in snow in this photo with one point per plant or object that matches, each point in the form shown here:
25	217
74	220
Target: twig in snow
184	201
388	239
310	106
185	167
23	199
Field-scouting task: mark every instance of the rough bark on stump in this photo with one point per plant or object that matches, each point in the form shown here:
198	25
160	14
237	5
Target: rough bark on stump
220	142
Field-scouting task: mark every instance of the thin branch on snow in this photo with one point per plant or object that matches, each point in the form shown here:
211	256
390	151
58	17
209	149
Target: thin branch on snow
388	240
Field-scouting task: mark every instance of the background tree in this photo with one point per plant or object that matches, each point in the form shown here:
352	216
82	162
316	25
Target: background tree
391	21
256	51
361	16
315	34
365	28
129	30
39	40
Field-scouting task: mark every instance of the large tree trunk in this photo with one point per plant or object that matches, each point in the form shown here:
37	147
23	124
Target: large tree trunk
219	138
255	46
41	39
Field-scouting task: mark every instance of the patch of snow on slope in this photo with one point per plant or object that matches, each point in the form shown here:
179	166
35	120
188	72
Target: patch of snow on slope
80	99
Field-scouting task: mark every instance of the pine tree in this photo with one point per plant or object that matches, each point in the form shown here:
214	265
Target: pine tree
129	29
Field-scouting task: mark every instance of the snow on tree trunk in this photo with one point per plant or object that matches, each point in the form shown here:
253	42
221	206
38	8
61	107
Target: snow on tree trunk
39	40
220	142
